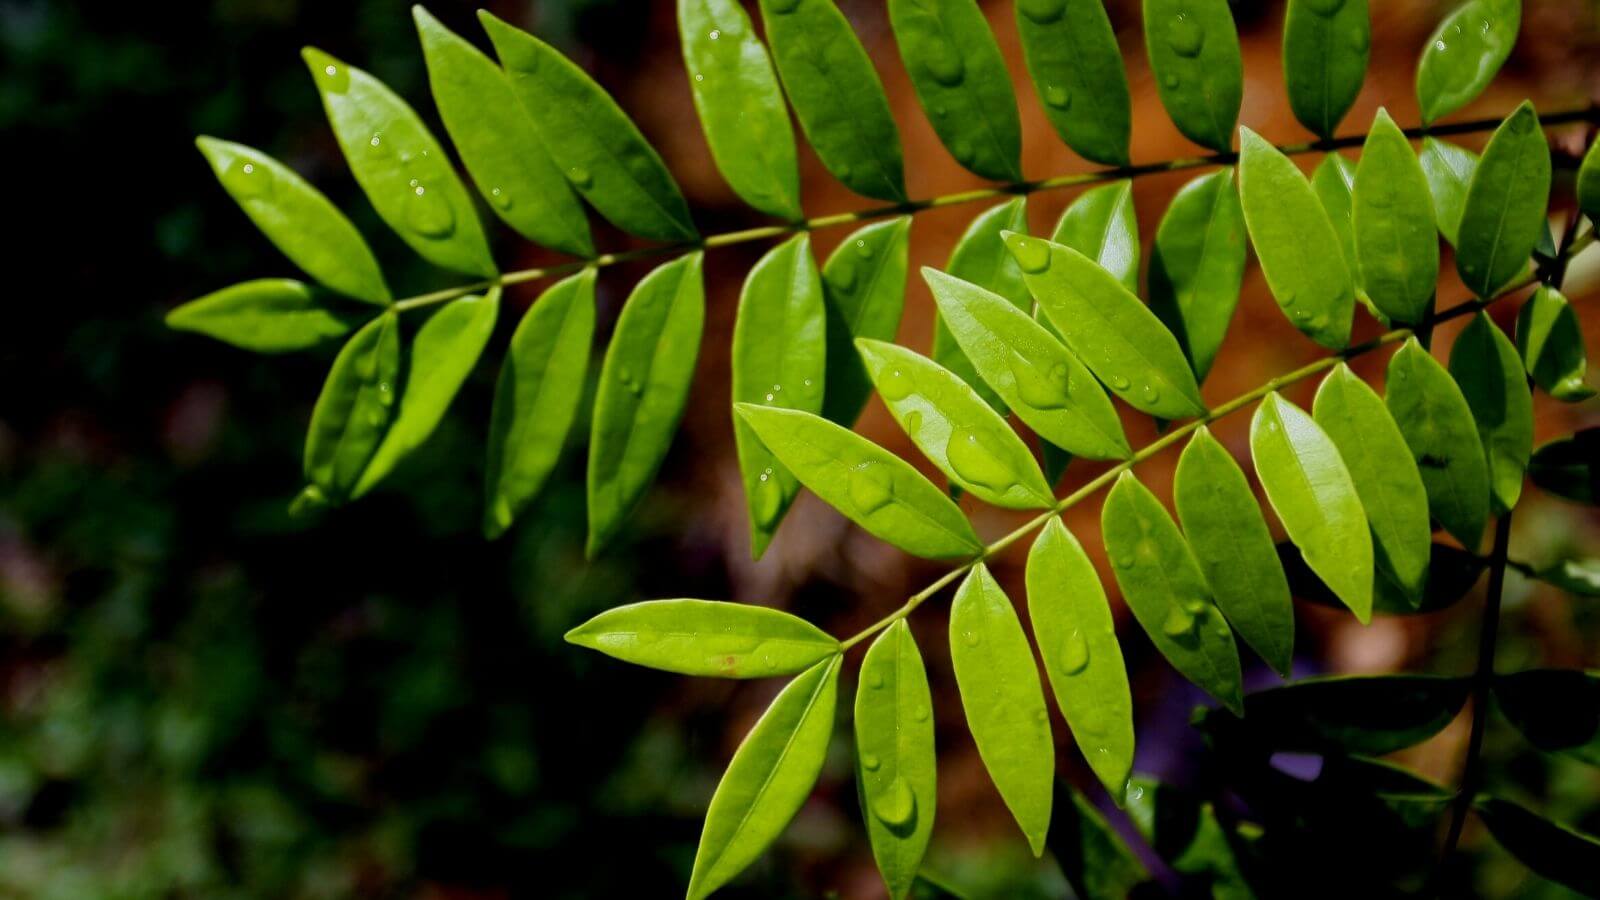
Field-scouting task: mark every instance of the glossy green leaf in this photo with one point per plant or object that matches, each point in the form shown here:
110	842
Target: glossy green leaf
1325	49
980	257
1551	343
864	289
443	354
1230	540
267	315
1452	572
1077	636
1311	490
871	486
536	398
644	384
297	219
1108	328
1076	67
1396	235
1092	855
836	95
1557	710
1194	56
1437	425
1370	715
961	80
1552	850
591	139
354	410
1166	591
1504	212
1489	372
707	638
768	779
1575	576
1589	182
779	359
1463	54
1385	476
1000	691
895	753
1101	225
1333	180
498	142
1292	235
401	167
740	104
1448	169
1197	266
1569	467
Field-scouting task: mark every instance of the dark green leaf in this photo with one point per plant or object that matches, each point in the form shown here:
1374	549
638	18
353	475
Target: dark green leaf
1101	225
1575	576
1551	343
895	752
1396	236
1186	833
1589	182
1451	574
1487	368
980	257
1557	710
1448	169
1366	714
1569	467
268	315
354	409
1194	55
1463	54
1076	67
707	638
1197	266
1437	425
1552	850
864	287
1325	48
1333	180
1096	861
1504	212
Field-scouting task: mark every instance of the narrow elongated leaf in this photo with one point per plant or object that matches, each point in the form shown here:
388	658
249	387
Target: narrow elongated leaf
1333	180
1451	574
895	750
740	104
1106	327
779	359
401	167
1194	55
1569	467
1448	169
591	139
1504	212
1557	710
536	398
836	95
1076	68
1396	235
1164	588
1073	627
768	779
1092	855
1197	266
1552	850
267	315
1292	233
1101	225
1437	425
1464	53
1551	343
1364	714
1489	372
1000	691
498	142
980	257
1314	496
961	80
1575	576
864	288
1589	182
1186	833
644	384
297	219
1325	48
354	410
1231	542
706	637
871	486
443	354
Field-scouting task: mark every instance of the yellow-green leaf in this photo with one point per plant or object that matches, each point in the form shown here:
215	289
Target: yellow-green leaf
706	637
895	755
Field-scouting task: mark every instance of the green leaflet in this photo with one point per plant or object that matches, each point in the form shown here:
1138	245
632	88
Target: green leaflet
1504	211
1437	424
1575	576
895	752
1589	182
707	638
297	219
1552	850
1042	382
1551	343
1004	703
443	353
961	80
954	428
644	385
1073	627
1464	53
1076	68
1371	715
1396	235
353	411
1092	855
1186	833
836	95
1194	55
1452	572
864	289
590	138
1101	225
1448	169
980	257
768	779
267	315
498	142
740	104
1292	233
1106	327
1231	543
536	398
1487	368
1386	478
871	486
1333	181
401	167
779	358
1325	48
1557	710
1314	496
1569	467
1164	588
1197	266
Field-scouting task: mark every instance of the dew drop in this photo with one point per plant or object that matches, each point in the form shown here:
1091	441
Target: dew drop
1324	7
1124	561
1040	389
427	213
699	77
870	762
1151	393
1360	39
943	62
1042	11
870	488
894	384
842	172
1177	623
875	680
1185	36
335	80
783	6
974	458
768	501
1118	382
580	176
863	249
962	151
972	638
1057	96
1169	81
247	182
842	274
1194	607
920	714
896	805
914	422
1075	653
500	199
715	34
1032	256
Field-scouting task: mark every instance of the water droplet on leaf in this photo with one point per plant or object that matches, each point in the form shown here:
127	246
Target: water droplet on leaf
895	806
